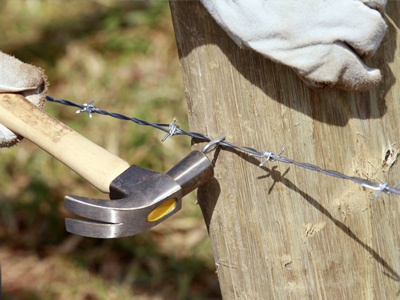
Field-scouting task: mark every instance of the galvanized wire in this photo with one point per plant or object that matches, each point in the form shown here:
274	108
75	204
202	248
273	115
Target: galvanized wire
173	129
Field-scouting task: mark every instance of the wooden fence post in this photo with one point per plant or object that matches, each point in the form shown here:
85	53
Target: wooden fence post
280	231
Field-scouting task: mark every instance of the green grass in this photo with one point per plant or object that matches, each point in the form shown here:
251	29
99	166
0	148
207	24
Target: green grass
122	54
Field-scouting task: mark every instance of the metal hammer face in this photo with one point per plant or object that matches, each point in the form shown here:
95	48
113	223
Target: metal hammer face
141	199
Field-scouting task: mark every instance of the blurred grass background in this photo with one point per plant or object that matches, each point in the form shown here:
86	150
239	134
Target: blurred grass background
122	54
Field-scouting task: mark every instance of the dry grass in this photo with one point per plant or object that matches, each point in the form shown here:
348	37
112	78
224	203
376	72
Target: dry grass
123	56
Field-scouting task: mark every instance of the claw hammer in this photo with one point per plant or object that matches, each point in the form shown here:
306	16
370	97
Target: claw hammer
141	198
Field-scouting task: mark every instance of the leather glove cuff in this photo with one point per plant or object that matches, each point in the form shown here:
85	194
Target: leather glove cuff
22	78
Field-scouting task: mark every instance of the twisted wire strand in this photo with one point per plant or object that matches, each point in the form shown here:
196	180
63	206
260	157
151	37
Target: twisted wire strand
173	129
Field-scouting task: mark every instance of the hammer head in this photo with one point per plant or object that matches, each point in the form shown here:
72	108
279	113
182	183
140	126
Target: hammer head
141	199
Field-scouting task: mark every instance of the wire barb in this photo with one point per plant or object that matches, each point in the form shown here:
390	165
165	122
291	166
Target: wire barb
381	187
269	155
173	129
87	107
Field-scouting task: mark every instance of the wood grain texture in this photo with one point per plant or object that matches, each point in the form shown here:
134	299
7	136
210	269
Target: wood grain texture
282	232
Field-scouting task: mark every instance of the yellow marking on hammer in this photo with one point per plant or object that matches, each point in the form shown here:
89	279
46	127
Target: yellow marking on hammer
161	210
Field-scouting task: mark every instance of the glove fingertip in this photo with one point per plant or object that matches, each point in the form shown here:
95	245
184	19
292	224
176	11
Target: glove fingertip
360	81
8	138
340	67
349	79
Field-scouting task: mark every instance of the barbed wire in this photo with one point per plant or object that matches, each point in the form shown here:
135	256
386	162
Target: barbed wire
173	129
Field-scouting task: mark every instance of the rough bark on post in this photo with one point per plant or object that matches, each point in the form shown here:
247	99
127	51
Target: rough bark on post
280	231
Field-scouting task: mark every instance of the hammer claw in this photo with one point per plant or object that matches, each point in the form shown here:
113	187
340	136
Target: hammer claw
94	209
93	229
141	199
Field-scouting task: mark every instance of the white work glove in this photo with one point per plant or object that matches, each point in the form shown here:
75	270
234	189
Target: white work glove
323	41
27	80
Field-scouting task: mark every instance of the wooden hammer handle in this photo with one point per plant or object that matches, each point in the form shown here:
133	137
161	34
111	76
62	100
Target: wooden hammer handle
95	164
